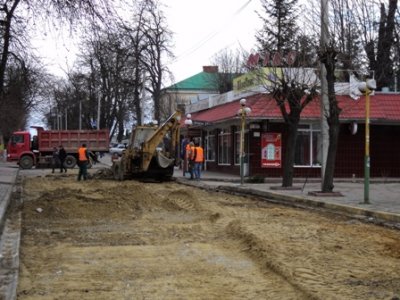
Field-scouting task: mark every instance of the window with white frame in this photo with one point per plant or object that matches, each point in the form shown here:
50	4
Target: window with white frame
308	146
224	148
210	147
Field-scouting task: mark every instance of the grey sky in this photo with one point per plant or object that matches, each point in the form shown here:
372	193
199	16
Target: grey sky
201	29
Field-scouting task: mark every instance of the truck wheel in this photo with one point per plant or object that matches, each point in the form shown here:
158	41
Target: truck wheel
70	161
26	162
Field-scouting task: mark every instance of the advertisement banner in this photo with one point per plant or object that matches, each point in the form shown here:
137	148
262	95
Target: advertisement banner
271	150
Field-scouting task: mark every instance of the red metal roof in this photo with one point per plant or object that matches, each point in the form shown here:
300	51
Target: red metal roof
383	107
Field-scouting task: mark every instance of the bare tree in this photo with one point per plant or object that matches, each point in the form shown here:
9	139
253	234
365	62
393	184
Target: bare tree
347	36
230	65
292	89
377	33
25	89
292	85
158	39
18	15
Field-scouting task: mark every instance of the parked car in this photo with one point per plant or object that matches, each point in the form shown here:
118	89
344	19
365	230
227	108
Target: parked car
117	149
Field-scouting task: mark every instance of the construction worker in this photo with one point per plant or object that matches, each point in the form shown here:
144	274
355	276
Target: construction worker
198	158
184	159
189	158
55	160
62	154
83	160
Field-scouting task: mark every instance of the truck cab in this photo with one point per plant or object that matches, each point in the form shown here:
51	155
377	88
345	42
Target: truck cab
21	149
19	143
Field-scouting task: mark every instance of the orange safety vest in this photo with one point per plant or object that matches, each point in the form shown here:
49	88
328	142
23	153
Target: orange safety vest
82	154
189	151
199	154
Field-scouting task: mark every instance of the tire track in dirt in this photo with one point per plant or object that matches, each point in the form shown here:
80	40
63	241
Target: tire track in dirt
264	255
112	240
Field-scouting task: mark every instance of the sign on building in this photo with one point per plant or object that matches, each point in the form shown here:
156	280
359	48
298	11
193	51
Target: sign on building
271	150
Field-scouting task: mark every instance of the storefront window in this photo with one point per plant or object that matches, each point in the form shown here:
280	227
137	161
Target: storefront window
210	148
224	148
237	147
308	145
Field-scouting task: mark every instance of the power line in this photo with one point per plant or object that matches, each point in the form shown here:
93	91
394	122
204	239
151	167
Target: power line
210	36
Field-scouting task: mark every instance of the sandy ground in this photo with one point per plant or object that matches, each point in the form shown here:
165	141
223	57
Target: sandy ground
102	239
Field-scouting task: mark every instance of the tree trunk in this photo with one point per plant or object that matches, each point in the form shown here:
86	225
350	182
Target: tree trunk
328	59
334	127
9	16
290	142
121	131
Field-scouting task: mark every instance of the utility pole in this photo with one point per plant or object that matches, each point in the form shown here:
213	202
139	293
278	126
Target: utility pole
98	113
80	114
66	119
324	89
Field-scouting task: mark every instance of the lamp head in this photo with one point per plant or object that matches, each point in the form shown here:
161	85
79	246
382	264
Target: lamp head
362	87
368	85
371	84
243	102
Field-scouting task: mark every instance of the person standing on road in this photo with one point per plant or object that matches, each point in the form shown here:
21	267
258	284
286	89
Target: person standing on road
190	159
198	159
83	160
62	154
55	160
184	159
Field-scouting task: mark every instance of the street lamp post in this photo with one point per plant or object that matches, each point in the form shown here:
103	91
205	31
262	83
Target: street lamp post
188	121
366	88
242	112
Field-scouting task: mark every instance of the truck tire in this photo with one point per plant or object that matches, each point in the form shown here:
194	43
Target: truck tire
26	162
70	161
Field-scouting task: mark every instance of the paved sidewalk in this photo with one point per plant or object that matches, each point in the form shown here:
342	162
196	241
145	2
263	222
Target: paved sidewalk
384	195
8	175
9	232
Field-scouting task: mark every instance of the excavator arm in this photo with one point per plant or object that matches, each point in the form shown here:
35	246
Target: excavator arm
149	147
142	157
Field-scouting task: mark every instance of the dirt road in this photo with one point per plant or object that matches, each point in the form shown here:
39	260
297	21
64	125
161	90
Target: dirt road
102	239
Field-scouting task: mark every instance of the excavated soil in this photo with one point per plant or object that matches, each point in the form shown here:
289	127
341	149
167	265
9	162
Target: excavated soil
102	239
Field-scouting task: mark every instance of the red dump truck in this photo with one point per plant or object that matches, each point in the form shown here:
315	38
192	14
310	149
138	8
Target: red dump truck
38	150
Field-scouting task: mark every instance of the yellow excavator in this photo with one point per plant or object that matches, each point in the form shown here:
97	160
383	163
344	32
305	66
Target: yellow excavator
152	151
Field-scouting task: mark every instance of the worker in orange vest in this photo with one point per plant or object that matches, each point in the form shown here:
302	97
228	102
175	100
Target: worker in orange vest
184	148
83	161
198	158
189	159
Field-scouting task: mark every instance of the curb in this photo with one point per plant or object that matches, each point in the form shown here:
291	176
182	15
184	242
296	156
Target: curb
296	200
302	202
10	233
5	202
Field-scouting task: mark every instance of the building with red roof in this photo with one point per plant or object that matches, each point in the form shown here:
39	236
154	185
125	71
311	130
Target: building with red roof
217	124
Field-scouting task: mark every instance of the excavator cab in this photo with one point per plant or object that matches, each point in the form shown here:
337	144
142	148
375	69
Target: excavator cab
152	151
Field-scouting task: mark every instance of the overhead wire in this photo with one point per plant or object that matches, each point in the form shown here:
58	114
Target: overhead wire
209	36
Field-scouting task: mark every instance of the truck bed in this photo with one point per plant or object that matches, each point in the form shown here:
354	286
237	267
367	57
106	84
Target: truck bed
96	140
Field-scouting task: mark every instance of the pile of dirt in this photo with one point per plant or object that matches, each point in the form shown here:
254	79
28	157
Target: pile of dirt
103	173
103	239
